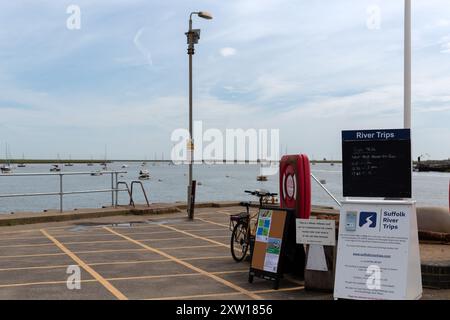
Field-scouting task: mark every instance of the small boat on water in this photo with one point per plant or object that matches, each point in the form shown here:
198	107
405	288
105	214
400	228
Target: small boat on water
55	168
22	164
124	166
6	168
144	175
264	166
69	164
261	178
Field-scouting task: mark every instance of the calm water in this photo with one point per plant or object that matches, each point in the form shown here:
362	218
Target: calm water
168	184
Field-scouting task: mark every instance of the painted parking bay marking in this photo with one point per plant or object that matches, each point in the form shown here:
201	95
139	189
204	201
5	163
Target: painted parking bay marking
119	295
188	265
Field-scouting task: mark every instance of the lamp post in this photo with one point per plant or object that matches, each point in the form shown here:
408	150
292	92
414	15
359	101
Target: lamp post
193	35
407	67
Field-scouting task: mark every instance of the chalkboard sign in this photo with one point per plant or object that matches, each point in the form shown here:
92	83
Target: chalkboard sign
376	163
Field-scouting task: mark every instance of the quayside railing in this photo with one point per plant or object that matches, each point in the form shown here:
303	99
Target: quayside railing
114	190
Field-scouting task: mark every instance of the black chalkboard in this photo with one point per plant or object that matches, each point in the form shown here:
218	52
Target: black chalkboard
376	163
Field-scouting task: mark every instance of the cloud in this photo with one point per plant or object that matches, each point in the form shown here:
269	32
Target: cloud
445	47
256	65
227	52
142	49
443	23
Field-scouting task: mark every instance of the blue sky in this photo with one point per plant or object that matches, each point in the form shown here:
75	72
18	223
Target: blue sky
308	68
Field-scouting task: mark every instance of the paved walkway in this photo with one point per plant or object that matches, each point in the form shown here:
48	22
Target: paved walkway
136	257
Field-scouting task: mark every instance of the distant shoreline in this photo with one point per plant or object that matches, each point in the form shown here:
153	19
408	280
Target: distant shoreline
99	161
84	161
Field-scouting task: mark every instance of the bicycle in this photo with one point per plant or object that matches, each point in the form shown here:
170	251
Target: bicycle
241	227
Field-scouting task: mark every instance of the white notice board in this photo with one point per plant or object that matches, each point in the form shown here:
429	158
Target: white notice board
378	251
315	231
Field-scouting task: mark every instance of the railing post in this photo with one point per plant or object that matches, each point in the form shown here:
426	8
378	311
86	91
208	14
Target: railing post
117	189
112	189
60	192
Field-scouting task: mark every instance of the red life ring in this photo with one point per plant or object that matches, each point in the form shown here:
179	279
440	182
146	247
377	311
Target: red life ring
295	184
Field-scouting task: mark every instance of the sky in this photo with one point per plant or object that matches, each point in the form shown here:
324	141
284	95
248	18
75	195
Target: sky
307	68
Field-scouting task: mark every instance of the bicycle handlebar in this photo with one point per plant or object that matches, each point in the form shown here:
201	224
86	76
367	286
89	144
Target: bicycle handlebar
261	193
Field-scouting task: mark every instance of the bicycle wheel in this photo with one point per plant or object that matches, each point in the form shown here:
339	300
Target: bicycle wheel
239	242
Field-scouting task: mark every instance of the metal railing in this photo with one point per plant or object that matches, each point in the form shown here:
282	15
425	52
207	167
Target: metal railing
61	193
326	190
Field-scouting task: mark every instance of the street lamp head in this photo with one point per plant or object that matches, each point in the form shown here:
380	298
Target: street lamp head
205	15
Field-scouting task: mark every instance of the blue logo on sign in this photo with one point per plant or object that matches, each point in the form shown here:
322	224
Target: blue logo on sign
368	219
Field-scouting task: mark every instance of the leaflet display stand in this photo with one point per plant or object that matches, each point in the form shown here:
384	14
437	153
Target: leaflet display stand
270	242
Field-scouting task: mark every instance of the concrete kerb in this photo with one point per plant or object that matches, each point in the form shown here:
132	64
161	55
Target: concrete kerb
154	209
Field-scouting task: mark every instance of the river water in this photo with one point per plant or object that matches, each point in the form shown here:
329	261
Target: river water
168	184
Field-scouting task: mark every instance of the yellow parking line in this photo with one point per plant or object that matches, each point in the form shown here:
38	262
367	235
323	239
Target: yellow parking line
163	225
230	271
155	261
61	254
188	265
196	296
33	268
113	263
211	295
88	242
198	237
82	235
108	251
19	231
119	295
20	238
27	245
100	227
155	276
68	236
120	278
189	247
170	275
280	290
114	250
152	226
112	241
228	213
216	223
32	255
26	284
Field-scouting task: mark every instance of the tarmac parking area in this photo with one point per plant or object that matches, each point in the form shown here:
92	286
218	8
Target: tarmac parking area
134	257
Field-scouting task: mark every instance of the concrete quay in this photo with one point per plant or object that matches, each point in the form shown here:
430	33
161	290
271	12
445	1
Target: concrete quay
140	253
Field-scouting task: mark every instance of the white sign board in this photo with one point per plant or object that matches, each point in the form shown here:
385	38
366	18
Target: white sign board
378	251
315	231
